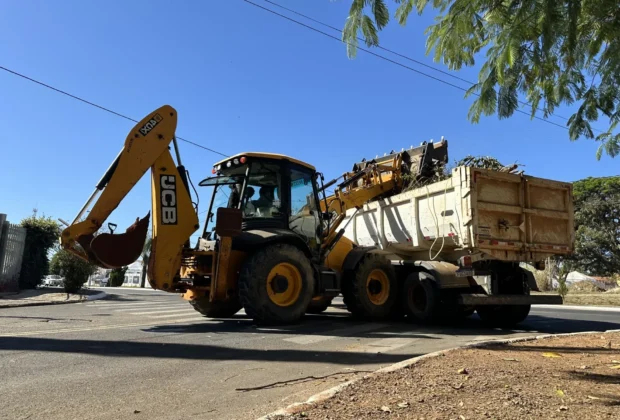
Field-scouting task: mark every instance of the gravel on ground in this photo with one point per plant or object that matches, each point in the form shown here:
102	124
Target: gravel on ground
570	377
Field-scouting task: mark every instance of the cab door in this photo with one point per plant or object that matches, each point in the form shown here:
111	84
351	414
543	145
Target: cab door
304	210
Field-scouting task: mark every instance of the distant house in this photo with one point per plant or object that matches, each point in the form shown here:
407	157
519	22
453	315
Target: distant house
100	278
134	274
605	283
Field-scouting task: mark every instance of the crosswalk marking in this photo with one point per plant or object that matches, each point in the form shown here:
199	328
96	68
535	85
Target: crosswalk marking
148	308
158	312
384	345
362	338
116	305
184	313
338	333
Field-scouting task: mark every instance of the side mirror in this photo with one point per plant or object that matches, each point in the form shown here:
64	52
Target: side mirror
229	221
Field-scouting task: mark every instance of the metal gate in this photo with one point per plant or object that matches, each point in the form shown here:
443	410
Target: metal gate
12	241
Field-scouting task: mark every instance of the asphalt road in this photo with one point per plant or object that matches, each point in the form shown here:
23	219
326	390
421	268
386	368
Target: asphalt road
142	354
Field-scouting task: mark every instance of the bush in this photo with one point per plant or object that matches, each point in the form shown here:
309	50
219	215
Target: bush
42	234
562	288
74	270
117	277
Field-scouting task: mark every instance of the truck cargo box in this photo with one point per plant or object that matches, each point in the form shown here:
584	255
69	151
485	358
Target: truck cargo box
482	213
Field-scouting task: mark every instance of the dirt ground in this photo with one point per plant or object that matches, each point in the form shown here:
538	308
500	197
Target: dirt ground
575	377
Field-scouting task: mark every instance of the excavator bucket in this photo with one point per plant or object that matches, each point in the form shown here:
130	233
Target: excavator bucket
114	251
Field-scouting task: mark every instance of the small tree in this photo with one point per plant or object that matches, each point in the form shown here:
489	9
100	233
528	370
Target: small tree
563	266
74	270
42	234
117	277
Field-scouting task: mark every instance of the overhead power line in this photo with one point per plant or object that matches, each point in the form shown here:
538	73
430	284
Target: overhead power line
390	60
100	107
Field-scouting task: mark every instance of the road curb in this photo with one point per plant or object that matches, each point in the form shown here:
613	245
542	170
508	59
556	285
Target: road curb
98	296
580	307
331	392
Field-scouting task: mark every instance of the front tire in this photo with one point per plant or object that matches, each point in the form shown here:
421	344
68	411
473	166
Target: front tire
276	284
216	309
371	292
320	305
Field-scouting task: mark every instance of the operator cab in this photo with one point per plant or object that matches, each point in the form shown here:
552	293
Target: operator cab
272	191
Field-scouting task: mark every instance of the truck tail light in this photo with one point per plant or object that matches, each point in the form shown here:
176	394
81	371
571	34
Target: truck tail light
467	261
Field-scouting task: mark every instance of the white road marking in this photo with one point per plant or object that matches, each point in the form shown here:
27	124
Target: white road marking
384	345
339	333
194	319
118	305
184	313
149	308
106	327
158	312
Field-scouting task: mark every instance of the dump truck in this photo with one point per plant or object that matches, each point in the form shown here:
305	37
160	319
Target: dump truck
462	241
388	239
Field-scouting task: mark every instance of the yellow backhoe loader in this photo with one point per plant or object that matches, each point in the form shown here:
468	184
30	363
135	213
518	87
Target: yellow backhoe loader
272	242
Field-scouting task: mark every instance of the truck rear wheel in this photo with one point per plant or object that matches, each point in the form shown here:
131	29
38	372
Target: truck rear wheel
320	305
421	295
216	309
503	316
372	290
276	284
512	280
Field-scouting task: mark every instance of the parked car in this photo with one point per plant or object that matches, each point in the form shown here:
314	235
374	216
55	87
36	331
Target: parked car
53	280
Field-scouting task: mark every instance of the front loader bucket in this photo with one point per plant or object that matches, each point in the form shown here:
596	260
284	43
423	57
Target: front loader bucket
115	251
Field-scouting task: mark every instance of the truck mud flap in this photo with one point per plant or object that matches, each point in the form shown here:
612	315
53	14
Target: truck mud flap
480	299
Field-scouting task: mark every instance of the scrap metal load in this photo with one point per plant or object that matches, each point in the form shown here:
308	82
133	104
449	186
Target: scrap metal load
475	213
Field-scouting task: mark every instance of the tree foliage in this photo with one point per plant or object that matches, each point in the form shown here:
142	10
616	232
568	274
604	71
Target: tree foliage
74	270
551	52
117	277
597	224
42	234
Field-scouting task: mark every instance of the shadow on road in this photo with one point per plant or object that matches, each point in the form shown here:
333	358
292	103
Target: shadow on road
343	325
190	351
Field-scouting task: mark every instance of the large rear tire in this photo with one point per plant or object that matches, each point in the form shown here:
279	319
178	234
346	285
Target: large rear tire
371	291
216	309
512	280
422	299
276	284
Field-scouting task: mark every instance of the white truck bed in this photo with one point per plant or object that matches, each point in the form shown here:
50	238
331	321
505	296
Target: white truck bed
477	212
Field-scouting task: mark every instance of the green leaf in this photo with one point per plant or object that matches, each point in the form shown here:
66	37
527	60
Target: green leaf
381	14
405	8
554	53
369	31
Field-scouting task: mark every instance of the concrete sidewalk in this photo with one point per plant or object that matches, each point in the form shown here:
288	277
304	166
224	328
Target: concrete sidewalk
48	296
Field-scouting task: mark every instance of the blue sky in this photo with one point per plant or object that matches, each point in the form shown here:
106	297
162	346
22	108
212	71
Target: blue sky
241	79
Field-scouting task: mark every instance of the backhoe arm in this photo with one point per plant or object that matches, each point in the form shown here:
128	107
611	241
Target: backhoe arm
174	218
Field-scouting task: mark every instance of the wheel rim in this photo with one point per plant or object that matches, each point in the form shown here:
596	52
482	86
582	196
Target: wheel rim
378	287
284	284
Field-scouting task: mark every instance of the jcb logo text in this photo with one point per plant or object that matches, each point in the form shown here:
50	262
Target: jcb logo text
150	124
168	199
